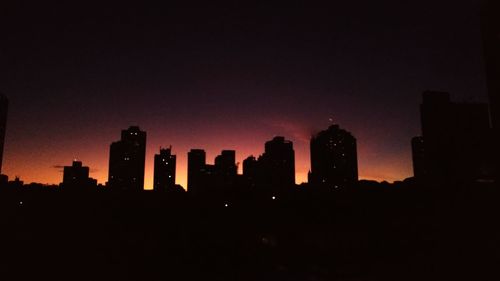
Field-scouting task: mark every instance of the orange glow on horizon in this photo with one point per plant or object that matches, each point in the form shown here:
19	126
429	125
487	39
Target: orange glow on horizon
40	159
47	173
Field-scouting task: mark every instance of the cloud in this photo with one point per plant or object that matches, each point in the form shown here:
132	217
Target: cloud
293	129
60	168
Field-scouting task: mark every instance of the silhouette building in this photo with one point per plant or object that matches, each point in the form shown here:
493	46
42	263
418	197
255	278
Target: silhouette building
4	104
196	169
224	171
334	160
126	160
277	164
490	29
225	164
164	170
418	152
457	138
76	176
490	26
250	169
217	178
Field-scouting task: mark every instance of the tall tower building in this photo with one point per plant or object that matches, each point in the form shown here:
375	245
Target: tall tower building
4	105
196	169
225	164
490	29
127	159
277	164
225	171
250	168
164	170
334	161
457	139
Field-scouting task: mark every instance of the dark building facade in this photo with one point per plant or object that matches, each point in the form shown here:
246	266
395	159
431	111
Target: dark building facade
127	159
76	176
457	139
225	165
277	164
164	170
334	161
490	27
250	169
218	178
417	154
224	171
4	105
196	170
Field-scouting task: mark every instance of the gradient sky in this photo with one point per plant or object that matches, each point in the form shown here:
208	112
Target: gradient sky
228	77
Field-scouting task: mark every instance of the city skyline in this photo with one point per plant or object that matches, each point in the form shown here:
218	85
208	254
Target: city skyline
347	140
230	79
239	159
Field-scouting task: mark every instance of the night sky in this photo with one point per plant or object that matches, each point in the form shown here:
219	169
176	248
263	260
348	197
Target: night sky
228	76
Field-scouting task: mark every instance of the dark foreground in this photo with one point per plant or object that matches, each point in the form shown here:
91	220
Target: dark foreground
408	232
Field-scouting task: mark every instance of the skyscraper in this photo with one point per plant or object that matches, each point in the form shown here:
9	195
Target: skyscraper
164	170
277	164
4	105
196	169
436	119
224	172
250	169
127	159
334	160
457	139
490	27
225	164
77	176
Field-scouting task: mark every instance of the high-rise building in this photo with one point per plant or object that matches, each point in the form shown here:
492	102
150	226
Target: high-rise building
4	105
127	159
457	139
225	164
490	26
490	29
77	176
277	164
334	161
436	118
250	168
417	152
164	170
196	169
224	172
